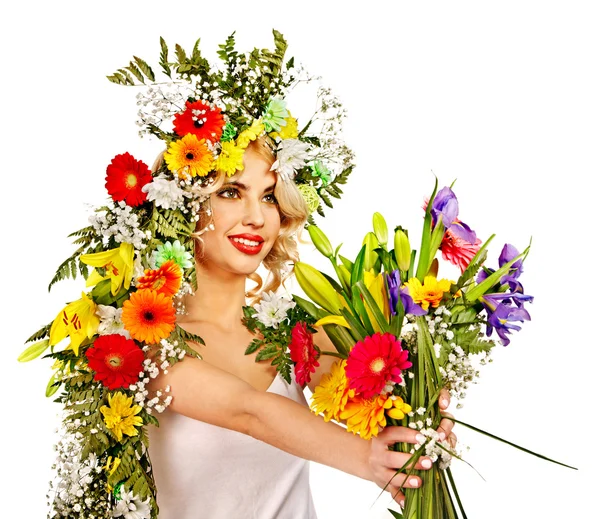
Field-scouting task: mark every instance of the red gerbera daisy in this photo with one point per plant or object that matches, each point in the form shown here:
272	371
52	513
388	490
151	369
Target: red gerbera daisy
116	360
374	362
458	251
201	119
303	353
165	280
125	177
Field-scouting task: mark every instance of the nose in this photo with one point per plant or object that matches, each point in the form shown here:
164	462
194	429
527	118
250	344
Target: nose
253	213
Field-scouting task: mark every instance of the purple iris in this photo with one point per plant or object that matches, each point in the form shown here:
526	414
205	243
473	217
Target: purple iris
395	291
445	206
502	318
509	252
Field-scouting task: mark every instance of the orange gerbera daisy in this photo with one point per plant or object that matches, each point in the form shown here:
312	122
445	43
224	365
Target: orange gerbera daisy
189	157
148	316
364	416
165	280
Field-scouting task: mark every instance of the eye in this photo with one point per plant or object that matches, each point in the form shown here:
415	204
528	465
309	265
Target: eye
229	192
270	198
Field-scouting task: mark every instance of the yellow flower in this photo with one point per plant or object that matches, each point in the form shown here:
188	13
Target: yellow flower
364	416
289	131
376	286
189	157
231	158
399	409
119	415
78	320
429	293
250	134
110	467
118	264
332	393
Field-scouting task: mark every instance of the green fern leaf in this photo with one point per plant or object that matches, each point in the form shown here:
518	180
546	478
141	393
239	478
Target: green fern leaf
164	57
135	71
145	68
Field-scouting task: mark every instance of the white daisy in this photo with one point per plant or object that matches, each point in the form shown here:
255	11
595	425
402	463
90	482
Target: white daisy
131	507
110	321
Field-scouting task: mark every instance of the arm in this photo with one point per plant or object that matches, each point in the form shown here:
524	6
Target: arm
209	394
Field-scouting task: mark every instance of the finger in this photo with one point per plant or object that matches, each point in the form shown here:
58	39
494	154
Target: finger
445	427
444	399
452	440
397	495
396	460
403	480
394	434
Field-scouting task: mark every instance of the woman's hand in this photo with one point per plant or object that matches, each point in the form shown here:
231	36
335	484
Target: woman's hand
384	463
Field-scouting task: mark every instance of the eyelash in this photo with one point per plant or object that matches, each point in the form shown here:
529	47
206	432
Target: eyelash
232	190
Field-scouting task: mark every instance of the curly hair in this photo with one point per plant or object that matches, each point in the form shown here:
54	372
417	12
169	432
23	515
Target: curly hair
293	213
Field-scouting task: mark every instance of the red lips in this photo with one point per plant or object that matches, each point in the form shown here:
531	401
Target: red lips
245	247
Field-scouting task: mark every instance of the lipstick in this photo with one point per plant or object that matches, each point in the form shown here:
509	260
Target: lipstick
247	243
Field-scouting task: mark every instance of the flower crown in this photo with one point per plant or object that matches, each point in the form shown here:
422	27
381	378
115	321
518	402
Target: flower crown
137	256
208	115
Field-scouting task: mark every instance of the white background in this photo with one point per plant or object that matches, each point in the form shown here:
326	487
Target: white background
502	96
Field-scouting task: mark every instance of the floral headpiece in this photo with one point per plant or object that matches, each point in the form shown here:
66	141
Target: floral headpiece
208	115
137	257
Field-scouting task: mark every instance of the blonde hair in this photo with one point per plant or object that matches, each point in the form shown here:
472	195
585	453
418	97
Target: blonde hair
293	213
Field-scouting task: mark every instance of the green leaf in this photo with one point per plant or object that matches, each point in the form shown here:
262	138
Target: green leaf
52	386
34	351
134	70
423	265
396	515
42	333
358	267
373	307
481	431
164	57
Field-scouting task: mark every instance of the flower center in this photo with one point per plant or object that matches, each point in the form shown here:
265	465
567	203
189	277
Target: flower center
131	180
114	361
148	316
198	123
377	365
189	155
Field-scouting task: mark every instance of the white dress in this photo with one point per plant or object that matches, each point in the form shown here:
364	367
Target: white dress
207	472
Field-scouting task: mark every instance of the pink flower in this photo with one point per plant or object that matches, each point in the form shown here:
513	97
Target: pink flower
374	362
458	251
303	353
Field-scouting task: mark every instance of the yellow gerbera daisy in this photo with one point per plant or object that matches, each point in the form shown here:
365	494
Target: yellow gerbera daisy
119	415
289	131
364	416
430	292
231	159
332	393
249	134
189	157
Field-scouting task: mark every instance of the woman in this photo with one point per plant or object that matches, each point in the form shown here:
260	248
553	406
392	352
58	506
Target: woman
203	470
238	180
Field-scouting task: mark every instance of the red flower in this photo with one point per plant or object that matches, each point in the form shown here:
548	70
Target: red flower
457	251
303	353
204	121
373	363
116	360
125	177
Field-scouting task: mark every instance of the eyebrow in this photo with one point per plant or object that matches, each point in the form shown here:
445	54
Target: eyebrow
244	187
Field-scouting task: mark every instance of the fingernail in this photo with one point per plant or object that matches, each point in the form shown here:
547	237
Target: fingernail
420	438
402	503
413	482
426	463
444	403
442	436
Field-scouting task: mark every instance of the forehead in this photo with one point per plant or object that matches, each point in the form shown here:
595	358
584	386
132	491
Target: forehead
256	174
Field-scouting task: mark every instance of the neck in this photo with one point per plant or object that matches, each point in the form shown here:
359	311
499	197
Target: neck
218	299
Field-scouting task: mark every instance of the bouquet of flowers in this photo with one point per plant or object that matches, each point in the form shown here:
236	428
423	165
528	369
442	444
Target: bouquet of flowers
403	334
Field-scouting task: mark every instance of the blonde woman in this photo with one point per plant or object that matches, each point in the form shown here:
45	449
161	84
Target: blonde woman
235	439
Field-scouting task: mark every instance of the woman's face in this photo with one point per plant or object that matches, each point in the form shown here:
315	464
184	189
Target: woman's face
246	219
